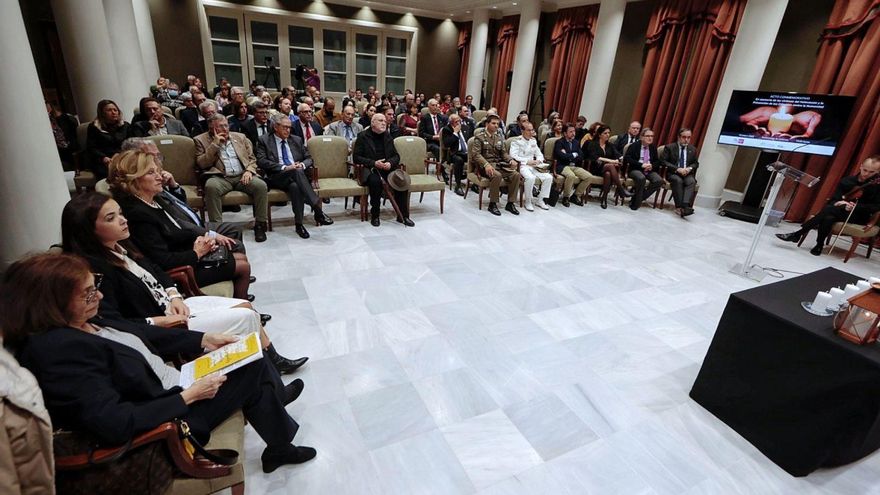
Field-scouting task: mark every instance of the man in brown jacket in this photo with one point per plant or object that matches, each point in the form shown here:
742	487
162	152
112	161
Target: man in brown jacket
228	159
494	163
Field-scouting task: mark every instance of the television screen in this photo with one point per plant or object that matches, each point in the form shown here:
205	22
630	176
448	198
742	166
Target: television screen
780	121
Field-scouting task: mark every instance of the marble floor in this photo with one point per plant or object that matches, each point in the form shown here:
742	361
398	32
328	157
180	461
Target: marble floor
547	353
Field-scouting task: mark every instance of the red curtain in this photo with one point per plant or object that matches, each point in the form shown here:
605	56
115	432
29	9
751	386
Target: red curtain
464	44
687	46
571	42
848	65
506	42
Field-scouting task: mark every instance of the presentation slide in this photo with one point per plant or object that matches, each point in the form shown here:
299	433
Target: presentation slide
778	121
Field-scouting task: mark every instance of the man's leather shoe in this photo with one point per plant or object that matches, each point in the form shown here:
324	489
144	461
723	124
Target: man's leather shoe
275	457
576	200
475	189
322	218
302	232
259	232
688	211
283	365
565	202
493	209
264	318
511	208
817	250
374	221
459	191
252	279
251	297
326	201
679	212
293	390
790	237
406	221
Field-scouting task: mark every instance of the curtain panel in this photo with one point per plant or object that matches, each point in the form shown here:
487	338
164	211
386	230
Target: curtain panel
506	51
464	43
571	42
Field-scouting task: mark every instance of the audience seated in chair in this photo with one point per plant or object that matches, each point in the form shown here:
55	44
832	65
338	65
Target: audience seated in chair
494	163
525	150
374	151
455	139
631	136
306	128
207	109
327	114
258	126
104	137
156	123
606	162
570	163
431	123
680	161
643	163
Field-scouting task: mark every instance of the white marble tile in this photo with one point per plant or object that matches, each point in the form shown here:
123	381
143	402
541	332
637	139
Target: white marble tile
391	414
422	464
425	357
369	370
550	426
478	442
454	396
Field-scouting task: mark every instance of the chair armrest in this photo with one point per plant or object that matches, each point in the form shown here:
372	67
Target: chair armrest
185	278
314	174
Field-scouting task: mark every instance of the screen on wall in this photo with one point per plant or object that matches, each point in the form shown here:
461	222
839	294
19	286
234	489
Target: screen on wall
780	121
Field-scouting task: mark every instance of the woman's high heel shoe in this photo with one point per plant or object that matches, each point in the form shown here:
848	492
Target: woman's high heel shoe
604	202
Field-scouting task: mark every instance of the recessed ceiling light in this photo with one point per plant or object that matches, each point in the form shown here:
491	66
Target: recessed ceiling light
467	11
514	4
494	6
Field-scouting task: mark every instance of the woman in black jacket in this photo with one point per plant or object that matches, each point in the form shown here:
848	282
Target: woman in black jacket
104	137
109	379
92	225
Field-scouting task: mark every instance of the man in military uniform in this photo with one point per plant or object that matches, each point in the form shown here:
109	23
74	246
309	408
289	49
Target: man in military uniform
493	162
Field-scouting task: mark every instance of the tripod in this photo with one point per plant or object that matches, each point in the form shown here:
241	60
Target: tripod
542	87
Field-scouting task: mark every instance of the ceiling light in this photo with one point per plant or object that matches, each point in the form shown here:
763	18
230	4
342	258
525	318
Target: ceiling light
514	4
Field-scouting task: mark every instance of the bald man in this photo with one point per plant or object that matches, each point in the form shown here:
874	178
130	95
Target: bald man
374	149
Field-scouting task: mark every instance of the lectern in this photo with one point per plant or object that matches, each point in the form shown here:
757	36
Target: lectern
781	172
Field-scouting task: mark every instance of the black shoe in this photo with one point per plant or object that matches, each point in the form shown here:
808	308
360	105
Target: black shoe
302	232
633	207
282	364
511	208
603	202
406	221
475	189
817	250
374	221
576	200
322	218
232	208
459	191
326	201
790	237
251	297
252	279
264	318
493	209
688	211
275	457
565	202
293	390
260	232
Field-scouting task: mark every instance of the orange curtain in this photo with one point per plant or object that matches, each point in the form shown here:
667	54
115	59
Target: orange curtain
506	42
464	43
571	42
687	46
848	65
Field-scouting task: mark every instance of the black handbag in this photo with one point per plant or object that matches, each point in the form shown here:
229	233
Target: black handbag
215	258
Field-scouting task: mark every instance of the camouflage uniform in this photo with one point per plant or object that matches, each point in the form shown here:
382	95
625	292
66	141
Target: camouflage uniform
489	150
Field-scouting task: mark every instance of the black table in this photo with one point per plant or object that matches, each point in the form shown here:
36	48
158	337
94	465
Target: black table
779	376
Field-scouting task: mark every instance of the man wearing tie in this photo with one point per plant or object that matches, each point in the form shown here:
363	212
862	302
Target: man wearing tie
258	126
455	142
285	162
642	160
680	161
631	136
430	127
346	127
306	128
570	163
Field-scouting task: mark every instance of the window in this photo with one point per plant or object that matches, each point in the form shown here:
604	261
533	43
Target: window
264	43
226	48
366	61
335	67
302	49
395	65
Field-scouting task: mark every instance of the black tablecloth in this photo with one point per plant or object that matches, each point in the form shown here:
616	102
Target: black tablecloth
779	376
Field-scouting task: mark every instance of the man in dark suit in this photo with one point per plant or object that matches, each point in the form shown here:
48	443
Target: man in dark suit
680	161
570	164
306	128
286	162
207	109
155	122
393	129
515	129
455	141
236	98
642	160
631	136
374	149
469	102
258	126
190	114
430	125
468	124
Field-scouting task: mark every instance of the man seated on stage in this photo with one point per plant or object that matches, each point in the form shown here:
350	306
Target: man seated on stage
455	141
631	136
285	161
374	149
643	163
495	164
838	209
570	163
680	160
526	151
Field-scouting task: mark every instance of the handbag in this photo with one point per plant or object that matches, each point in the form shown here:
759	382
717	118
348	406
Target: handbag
215	258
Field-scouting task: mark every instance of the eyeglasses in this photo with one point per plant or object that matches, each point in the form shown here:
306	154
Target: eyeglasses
92	292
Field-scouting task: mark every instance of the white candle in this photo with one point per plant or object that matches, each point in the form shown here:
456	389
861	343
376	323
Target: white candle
863	285
836	296
821	302
849	291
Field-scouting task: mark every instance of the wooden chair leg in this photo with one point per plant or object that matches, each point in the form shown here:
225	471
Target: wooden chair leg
269	216
238	489
855	243
443	196
346	202
481	198
467	188
421	197
871	242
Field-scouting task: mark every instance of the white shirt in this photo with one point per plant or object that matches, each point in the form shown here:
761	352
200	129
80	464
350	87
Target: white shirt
523	150
230	160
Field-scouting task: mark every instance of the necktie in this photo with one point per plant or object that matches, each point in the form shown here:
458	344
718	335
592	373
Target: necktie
348	133
462	144
434	118
285	156
682	158
308	131
262	129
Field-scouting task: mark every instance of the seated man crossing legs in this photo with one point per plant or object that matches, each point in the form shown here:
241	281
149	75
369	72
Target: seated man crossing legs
526	151
495	164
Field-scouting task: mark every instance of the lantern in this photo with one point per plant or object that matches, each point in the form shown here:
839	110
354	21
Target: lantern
860	322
